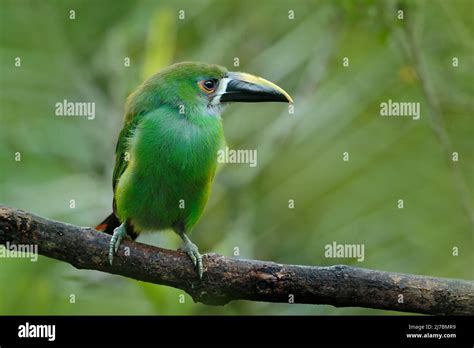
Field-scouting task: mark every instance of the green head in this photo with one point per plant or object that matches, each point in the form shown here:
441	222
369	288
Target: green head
204	87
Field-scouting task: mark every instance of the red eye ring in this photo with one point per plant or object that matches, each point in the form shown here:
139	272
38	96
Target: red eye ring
208	86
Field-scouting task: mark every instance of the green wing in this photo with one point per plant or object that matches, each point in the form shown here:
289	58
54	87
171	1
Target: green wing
121	161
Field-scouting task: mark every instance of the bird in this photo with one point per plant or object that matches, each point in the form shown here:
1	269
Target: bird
166	153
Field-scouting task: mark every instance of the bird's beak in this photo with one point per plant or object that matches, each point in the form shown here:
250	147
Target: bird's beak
242	87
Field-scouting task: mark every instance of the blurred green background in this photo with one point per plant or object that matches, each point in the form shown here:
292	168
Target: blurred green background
299	155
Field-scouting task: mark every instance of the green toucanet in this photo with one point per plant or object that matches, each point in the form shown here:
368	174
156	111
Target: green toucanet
166	154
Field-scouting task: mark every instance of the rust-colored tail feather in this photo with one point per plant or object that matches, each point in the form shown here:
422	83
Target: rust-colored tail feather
109	224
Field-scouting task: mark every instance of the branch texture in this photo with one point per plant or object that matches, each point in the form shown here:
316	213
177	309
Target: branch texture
227	279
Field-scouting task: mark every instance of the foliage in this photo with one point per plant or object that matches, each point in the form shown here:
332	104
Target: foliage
299	155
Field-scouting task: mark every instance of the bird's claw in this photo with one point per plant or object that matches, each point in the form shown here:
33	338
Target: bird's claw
119	234
192	251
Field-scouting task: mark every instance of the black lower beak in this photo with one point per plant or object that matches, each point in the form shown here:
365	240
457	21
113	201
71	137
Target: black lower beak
243	87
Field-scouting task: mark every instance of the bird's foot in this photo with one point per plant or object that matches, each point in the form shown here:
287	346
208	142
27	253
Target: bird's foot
192	250
119	233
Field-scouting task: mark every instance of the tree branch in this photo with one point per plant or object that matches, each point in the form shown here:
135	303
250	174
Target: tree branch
226	279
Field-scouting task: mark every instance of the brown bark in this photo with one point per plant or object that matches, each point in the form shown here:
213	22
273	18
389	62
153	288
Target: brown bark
227	279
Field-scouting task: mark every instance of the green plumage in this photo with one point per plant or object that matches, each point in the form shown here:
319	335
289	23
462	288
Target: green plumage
166	160
166	155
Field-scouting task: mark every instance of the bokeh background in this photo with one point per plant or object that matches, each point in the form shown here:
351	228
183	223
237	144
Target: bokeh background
299	155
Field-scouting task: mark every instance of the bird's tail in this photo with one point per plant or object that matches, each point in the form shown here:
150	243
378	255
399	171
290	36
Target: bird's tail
109	224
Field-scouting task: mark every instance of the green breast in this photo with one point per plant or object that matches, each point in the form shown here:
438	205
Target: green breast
172	165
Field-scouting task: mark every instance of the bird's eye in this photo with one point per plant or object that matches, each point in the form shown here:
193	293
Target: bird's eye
208	86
